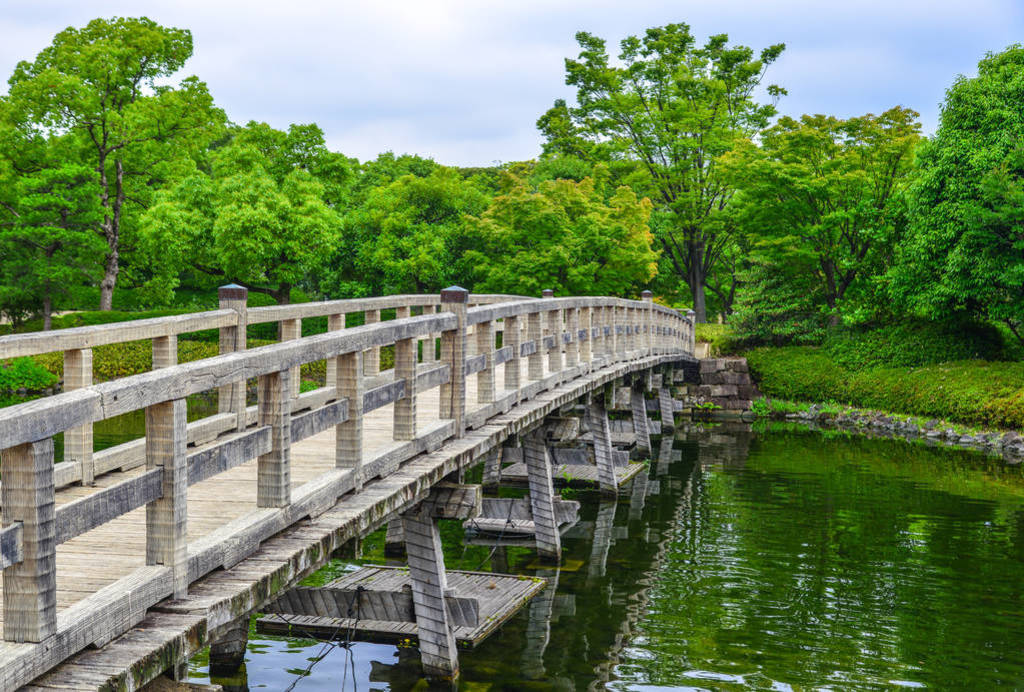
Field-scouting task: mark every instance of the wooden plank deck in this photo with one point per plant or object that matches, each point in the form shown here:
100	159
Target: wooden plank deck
112	551
580	476
500	597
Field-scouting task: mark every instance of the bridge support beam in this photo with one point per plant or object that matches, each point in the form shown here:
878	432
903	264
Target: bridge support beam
597	421
227	651
542	497
665	403
394	539
638	406
439	656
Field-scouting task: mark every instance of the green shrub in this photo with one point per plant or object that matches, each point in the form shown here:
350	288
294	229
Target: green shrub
722	338
914	343
974	392
24	373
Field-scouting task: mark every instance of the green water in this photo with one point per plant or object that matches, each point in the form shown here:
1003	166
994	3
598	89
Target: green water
781	559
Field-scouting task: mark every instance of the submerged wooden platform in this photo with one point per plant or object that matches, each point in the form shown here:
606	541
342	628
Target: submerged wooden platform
500	596
579	476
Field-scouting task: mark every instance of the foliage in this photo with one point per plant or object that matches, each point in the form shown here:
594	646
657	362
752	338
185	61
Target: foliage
259	219
671	108
964	251
968	391
101	86
402	238
827	193
721	337
912	343
576	238
24	373
780	304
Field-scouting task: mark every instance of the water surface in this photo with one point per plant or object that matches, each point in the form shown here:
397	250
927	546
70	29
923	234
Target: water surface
777	559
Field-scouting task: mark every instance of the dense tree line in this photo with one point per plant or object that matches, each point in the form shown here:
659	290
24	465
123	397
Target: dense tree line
669	170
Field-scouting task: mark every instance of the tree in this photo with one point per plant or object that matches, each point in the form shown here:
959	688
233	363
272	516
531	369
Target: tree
401	239
829	191
243	223
671	109
47	209
964	251
575	238
99	84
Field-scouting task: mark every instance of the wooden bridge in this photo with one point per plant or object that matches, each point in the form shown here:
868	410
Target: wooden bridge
119	565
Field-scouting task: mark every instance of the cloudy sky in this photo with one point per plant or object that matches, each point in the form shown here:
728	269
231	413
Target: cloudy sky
463	81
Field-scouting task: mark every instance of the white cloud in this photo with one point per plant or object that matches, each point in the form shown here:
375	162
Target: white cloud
465	81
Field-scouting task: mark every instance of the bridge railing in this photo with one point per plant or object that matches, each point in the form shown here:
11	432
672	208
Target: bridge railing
573	336
81	464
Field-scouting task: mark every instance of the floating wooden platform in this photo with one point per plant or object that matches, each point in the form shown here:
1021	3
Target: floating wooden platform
500	596
506	518
580	476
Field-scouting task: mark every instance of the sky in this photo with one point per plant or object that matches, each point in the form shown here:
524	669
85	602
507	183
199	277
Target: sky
464	81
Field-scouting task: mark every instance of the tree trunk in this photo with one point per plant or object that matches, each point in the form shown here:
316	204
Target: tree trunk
47	312
110	269
283	294
695	278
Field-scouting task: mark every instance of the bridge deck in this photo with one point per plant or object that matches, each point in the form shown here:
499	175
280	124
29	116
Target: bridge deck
174	628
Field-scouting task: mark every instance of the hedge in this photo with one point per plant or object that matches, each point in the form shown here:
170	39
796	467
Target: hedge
975	392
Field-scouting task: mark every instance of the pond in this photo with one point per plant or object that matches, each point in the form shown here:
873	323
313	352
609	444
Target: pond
778	558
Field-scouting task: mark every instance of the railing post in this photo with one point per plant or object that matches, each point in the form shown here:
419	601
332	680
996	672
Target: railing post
485	347
454	299
348	435
335	323
535	361
165	351
166	533
371	357
690	335
584	325
553	328
290	330
273	473
405	408
30	586
513	339
78	441
648	330
572	348
428	345
231	397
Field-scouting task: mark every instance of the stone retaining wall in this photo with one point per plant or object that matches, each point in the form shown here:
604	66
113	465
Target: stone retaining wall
724	382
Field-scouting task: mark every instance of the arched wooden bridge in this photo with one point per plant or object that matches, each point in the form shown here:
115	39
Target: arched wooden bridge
119	565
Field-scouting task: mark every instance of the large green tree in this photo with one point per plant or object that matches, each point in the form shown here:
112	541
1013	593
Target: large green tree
102	85
251	220
964	251
670	107
577	238
827	193
47	212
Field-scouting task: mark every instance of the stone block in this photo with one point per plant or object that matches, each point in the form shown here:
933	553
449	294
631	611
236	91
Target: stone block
720	390
735	364
710	365
748	391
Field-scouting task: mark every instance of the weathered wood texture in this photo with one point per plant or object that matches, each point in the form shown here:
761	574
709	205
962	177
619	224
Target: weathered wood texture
542	497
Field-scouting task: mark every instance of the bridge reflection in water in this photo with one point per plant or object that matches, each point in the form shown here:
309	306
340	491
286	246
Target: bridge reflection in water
243	504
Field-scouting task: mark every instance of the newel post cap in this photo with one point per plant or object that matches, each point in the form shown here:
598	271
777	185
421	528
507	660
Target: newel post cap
232	292
454	294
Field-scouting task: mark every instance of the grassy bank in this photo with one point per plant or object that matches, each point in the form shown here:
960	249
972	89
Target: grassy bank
973	392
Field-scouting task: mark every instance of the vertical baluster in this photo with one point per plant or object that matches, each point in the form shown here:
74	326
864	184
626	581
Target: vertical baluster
348	436
78	441
453	352
371	357
165	351
274	468
231	397
572	348
648	321
535	362
405	408
485	347
586	329
30	586
553	330
290	330
334	323
166	517
513	340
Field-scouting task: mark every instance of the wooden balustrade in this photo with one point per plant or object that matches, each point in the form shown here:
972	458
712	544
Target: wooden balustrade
574	335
